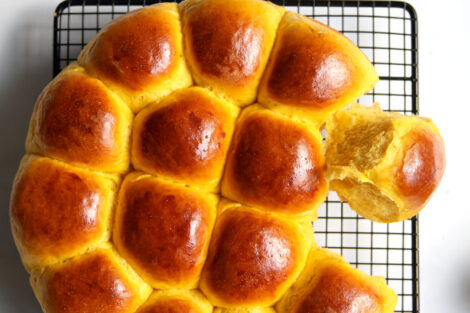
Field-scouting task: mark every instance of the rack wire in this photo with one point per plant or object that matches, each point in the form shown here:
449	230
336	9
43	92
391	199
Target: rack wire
386	31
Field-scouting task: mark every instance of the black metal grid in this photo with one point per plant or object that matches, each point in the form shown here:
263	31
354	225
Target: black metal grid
386	31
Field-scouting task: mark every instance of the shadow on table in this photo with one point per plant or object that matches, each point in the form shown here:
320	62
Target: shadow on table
466	286
25	71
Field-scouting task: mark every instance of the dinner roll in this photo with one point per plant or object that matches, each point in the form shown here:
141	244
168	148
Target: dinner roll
314	70
254	257
176	301
386	165
185	137
140	55
97	282
227	43
78	120
330	284
163	230
275	163
58	211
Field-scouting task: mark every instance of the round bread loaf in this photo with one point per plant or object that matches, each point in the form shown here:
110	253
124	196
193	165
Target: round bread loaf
118	205
98	281
384	164
78	120
330	284
227	43
163	230
275	163
139	55
254	257
185	137
314	70
58	211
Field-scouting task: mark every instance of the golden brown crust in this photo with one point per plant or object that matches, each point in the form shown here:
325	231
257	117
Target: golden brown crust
140	55
77	120
56	210
185	138
163	230
227	43
329	284
182	138
135	50
91	284
314	68
275	163
386	165
339	291
251	257
318	84
176	301
422	166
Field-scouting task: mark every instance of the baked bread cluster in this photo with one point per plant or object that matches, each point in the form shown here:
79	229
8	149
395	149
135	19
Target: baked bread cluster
178	165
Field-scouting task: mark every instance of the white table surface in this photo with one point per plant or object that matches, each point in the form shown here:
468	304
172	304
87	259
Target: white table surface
444	82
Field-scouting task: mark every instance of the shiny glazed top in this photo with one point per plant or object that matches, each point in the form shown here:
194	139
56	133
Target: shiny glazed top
250	258
136	50
224	39
309	69
274	163
339	291
314	70
55	209
90	284
163	230
78	121
422	166
186	137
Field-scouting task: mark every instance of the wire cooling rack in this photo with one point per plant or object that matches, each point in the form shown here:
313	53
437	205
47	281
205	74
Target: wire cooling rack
386	31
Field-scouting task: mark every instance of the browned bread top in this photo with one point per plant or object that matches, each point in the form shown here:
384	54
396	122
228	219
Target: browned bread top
314	70
57	211
99	282
227	43
275	163
422	166
78	120
185	137
253	258
330	284
384	164
163	230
